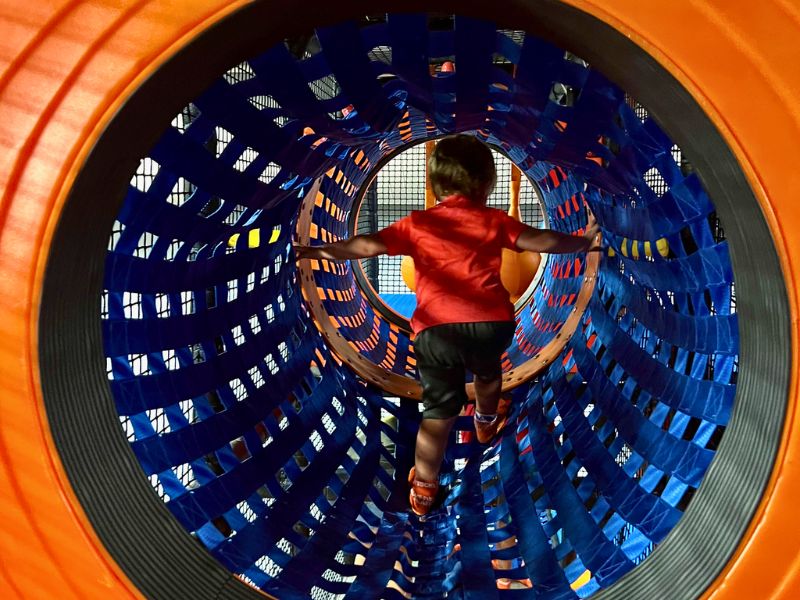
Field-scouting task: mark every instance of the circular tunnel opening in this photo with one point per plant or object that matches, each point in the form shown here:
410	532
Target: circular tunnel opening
215	368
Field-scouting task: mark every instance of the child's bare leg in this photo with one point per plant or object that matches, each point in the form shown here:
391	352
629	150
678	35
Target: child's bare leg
431	444
487	395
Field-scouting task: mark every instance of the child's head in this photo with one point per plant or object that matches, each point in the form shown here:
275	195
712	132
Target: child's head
462	164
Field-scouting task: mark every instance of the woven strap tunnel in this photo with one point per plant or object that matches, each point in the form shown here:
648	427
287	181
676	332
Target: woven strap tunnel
279	458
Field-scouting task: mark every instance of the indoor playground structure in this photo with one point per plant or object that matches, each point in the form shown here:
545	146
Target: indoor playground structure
189	412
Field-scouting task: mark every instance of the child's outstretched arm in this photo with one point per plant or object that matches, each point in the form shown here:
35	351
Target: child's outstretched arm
555	242
359	246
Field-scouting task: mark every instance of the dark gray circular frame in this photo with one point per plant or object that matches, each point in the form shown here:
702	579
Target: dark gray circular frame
155	552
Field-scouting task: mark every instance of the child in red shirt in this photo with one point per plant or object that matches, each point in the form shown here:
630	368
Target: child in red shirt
464	319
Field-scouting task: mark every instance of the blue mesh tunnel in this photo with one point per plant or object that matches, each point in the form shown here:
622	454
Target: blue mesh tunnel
232	370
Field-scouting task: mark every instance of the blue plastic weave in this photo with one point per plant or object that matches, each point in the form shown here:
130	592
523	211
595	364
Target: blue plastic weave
285	465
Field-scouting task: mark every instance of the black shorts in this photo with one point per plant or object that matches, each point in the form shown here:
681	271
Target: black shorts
444	354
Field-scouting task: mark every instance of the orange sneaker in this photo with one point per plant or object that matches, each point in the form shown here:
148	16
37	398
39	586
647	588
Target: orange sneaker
486	431
504	583
423	493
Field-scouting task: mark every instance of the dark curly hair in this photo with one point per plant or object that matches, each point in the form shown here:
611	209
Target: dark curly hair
462	164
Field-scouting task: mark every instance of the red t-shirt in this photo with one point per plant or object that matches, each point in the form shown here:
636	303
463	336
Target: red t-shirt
457	250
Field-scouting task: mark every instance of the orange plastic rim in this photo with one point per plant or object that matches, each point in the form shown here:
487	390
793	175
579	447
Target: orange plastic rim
68	67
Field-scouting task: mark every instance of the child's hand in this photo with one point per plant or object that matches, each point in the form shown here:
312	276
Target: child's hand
592	232
591	223
301	251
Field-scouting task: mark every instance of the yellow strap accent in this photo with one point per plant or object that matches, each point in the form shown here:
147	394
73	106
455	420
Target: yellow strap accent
662	245
581	581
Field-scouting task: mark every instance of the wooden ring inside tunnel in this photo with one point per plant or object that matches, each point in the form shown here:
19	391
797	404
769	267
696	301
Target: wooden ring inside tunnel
405	387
